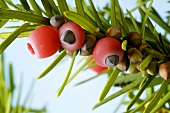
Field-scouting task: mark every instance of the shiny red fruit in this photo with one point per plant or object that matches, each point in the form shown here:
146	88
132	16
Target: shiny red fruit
43	41
75	32
108	52
96	68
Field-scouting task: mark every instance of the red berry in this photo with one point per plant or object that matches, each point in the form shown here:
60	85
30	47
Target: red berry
43	41
72	36
96	68
108	52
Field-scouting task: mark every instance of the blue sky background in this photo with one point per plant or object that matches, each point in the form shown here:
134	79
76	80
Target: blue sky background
78	99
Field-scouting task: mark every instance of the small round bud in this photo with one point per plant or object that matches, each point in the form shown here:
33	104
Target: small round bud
124	64
88	46
142	47
57	21
153	67
134	55
134	39
164	70
115	32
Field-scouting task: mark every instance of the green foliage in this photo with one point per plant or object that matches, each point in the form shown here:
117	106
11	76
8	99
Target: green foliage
95	22
7	89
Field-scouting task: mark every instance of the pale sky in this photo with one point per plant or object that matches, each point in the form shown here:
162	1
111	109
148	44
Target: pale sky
78	99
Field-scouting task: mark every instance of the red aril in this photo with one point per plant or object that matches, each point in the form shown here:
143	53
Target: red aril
72	36
108	52
43	41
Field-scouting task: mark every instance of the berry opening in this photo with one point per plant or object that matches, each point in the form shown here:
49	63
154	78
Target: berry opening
112	60
30	48
68	37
